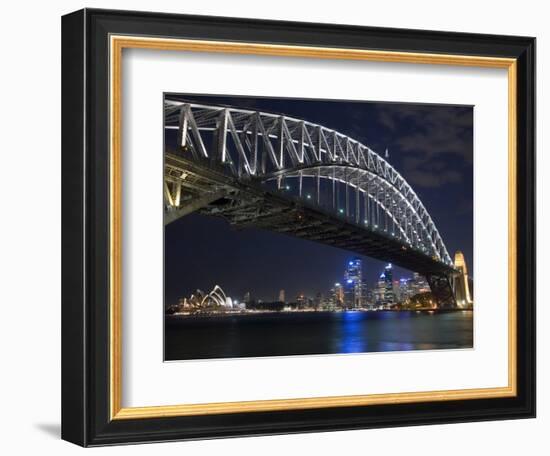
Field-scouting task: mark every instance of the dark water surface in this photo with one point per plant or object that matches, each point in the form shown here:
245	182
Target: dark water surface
308	333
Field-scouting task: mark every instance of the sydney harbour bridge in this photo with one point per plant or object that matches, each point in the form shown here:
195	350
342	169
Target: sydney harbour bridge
288	175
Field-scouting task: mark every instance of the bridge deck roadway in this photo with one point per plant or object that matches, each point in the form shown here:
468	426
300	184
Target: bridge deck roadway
249	204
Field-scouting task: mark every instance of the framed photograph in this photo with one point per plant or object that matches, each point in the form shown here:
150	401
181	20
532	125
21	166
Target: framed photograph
278	227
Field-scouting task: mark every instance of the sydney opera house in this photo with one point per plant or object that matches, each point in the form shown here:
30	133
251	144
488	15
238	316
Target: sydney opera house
201	302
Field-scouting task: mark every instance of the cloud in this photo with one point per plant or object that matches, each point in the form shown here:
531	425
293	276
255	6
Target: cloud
387	120
433	180
465	207
433	143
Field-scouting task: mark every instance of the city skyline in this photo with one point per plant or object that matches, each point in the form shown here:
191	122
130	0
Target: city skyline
203	251
355	292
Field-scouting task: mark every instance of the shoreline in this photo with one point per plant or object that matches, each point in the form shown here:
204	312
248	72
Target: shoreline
314	312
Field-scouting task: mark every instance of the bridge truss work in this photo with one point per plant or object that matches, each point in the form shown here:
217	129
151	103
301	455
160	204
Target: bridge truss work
288	175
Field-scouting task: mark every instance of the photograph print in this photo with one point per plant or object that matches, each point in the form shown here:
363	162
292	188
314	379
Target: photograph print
316	227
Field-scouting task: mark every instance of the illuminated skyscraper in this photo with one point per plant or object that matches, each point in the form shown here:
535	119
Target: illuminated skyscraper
354	287
282	296
384	293
337	295
407	289
389	297
380	290
396	291
461	287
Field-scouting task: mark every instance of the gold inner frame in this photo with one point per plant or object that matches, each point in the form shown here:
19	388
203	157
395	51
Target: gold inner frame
117	44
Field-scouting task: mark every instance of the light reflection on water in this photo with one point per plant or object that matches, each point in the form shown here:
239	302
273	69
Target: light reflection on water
397	331
352	340
315	333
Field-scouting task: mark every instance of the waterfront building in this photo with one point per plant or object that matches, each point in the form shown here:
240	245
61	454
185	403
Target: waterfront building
282	296
420	284
215	301
301	301
239	305
228	302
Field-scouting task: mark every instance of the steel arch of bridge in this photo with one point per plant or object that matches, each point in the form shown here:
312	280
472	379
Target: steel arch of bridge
274	148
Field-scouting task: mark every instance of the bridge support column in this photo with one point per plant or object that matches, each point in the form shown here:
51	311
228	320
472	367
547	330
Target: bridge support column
174	213
441	287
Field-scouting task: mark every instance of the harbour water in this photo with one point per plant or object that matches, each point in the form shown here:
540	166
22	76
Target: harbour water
314	333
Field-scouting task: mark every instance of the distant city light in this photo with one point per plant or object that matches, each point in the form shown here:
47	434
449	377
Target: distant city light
341	211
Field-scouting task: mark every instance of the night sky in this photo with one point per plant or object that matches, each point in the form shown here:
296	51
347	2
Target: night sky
430	145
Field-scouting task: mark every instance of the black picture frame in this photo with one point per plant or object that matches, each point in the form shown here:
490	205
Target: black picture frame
85	224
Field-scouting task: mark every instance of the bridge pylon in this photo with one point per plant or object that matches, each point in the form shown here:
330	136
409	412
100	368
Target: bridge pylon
442	289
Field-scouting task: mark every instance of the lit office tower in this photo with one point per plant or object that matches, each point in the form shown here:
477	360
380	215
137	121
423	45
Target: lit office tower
355	296
420	284
407	289
389	297
318	301
380	290
282	296
396	291
337	295
462	290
